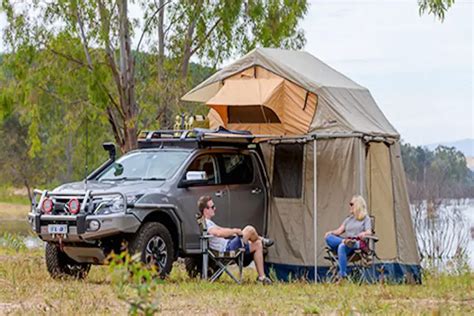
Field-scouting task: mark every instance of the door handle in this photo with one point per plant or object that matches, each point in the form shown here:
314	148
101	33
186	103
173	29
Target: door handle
219	193
256	191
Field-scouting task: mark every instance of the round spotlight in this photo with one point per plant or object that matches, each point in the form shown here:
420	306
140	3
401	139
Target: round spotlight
74	206
94	225
47	205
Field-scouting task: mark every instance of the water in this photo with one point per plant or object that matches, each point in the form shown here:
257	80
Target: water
468	211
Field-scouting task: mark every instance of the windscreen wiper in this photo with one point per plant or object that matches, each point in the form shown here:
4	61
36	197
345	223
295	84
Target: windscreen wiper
153	179
121	179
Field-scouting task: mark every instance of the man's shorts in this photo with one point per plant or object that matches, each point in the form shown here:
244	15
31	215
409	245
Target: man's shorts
236	243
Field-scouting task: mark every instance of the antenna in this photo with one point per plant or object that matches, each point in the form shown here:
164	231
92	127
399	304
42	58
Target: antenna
86	167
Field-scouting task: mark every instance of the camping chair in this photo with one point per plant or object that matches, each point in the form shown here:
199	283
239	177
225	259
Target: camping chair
360	263
221	259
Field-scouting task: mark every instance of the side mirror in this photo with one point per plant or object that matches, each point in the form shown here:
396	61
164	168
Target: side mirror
194	178
110	147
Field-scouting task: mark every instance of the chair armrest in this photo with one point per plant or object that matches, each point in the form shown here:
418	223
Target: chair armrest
372	237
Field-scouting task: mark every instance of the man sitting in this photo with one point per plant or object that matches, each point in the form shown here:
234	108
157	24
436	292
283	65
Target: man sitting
247	237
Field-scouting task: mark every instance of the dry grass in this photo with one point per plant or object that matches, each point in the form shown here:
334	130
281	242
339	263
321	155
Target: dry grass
9	211
26	288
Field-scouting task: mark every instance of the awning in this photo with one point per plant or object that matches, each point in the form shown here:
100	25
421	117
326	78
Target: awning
246	92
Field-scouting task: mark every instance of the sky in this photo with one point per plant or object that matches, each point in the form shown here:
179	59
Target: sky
419	70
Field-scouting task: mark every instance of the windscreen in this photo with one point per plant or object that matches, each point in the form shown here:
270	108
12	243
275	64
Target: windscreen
155	165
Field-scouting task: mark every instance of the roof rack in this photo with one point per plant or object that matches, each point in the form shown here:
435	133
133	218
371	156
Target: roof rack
197	137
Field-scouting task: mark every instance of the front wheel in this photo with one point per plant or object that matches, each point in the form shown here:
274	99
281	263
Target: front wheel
60	265
154	244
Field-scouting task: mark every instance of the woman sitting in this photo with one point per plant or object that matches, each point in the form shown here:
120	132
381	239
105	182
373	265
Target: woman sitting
355	228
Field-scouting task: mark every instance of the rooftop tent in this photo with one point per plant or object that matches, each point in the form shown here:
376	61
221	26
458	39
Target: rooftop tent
331	142
342	105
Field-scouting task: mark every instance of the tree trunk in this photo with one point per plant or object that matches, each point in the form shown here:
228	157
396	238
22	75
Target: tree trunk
188	42
127	79
161	39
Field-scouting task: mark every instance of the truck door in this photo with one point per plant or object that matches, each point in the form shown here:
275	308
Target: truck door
188	197
246	190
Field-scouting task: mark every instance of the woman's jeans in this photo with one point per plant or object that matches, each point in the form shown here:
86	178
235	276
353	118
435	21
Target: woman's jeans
336	244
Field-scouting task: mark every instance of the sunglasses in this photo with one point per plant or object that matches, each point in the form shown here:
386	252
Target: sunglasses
351	204
212	206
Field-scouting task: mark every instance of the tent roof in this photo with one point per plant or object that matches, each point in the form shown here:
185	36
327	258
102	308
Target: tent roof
343	105
257	92
300	67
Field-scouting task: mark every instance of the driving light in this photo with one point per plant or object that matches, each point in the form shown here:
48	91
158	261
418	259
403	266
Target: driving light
47	205
74	206
94	225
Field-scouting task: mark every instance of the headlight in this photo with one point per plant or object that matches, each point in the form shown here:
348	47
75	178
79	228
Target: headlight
110	207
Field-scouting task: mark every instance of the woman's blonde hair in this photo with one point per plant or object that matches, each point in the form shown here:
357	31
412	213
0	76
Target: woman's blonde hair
360	207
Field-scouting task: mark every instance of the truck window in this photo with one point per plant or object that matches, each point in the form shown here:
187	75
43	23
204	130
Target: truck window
236	169
288	171
205	163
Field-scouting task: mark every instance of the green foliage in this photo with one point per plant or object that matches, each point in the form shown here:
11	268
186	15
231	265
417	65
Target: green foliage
438	8
135	283
11	241
442	173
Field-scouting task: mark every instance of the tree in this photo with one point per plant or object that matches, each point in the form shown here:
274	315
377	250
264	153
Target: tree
436	7
175	32
433	175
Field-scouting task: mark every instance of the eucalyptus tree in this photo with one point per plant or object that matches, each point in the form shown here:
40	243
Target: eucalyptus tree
173	31
438	8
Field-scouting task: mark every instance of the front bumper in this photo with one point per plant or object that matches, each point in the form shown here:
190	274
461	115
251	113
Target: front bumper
78	226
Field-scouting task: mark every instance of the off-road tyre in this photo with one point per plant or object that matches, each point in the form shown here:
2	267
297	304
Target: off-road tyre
60	265
155	245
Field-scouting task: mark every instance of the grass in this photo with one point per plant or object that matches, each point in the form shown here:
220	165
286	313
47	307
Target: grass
15	196
11	211
26	288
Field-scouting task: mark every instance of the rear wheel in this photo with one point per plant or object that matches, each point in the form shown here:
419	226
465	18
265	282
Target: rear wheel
60	265
155	245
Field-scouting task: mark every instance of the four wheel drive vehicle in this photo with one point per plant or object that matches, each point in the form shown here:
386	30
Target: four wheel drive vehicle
147	200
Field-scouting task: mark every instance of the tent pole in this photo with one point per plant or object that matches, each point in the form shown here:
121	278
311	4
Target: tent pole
362	168
315	209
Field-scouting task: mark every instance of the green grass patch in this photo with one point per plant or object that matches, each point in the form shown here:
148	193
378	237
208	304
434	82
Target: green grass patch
26	288
14	196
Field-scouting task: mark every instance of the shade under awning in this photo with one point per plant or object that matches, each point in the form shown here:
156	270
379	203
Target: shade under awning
246	92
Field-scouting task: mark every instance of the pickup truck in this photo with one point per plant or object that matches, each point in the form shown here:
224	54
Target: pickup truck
146	200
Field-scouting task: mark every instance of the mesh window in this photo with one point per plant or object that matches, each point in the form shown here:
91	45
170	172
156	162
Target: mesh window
236	169
251	114
288	171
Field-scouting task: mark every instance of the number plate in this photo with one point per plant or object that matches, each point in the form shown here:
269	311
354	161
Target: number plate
57	229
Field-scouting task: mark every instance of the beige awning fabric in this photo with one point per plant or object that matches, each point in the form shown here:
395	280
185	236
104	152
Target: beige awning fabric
246	92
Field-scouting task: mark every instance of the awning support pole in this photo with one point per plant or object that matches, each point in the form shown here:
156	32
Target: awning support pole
362	169
315	209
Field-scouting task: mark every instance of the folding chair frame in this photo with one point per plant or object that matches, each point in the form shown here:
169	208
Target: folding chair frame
360	261
222	259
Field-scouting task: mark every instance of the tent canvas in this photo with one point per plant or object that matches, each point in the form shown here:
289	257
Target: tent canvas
325	140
